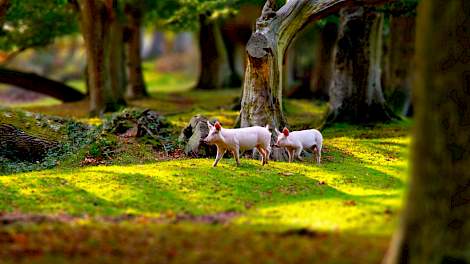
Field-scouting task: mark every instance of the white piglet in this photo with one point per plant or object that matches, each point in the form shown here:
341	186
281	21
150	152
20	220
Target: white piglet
240	139
294	142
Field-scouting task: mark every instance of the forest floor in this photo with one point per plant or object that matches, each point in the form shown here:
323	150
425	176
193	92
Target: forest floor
144	206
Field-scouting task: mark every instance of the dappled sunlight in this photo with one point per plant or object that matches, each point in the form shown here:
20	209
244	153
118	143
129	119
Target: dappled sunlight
341	194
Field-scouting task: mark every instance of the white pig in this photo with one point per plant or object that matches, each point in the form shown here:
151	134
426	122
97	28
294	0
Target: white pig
296	141
236	140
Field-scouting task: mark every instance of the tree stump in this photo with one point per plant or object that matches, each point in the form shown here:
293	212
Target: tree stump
192	137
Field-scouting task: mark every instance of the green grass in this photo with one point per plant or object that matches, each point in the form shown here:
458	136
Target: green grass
351	201
364	182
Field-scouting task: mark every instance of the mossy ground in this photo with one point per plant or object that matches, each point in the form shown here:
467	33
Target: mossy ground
350	203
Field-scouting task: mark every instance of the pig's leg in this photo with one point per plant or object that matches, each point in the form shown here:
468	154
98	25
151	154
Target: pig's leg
318	155
236	154
220	154
265	155
289	153
268	153
297	154
261	151
315	152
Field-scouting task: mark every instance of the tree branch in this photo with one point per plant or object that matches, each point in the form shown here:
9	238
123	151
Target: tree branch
36	83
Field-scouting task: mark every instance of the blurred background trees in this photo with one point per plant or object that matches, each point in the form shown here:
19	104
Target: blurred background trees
173	35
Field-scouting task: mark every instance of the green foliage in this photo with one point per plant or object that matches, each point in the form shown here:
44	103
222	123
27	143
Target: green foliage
32	23
71	135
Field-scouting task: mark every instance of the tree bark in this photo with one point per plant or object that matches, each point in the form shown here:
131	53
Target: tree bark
323	71
39	84
435	226
356	93
399	71
262	89
215	70
105	63
16	144
136	87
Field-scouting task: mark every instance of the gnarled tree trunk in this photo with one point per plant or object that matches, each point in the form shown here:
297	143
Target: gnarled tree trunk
39	84
356	93
99	28
435	226
262	89
136	87
215	70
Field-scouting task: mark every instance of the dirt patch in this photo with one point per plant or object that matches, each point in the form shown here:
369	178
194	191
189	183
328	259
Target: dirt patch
22	218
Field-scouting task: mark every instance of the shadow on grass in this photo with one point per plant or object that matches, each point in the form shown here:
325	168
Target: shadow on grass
190	186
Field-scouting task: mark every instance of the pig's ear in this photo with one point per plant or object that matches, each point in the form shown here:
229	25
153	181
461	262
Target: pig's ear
217	126
209	125
285	131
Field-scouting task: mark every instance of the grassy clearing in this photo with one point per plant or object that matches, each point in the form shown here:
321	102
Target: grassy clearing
363	185
351	201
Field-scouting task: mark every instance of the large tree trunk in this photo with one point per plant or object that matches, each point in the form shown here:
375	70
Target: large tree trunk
399	72
356	93
36	83
262	89
323	71
215	70
136	87
435	226
104	62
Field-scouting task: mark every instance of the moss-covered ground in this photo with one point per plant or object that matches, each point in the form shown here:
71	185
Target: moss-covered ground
145	209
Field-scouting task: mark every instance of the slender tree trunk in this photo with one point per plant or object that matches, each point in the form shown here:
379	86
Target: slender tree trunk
104	60
136	87
157	46
215	71
234	78
39	84
356	93
323	71
435	226
299	64
117	59
400	63
262	89
4	5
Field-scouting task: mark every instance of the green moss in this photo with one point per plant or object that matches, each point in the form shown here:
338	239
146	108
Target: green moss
34	124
